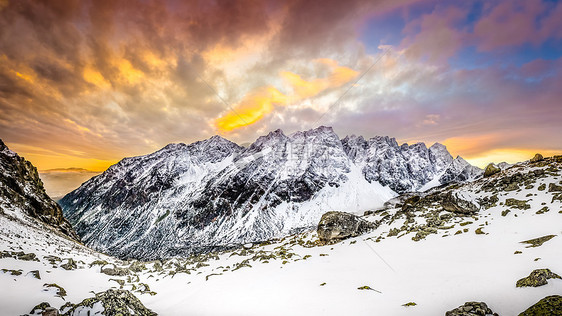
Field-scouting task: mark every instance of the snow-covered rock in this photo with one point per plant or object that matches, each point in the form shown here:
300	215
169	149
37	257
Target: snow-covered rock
214	193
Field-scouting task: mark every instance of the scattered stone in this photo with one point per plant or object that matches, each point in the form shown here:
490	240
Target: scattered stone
335	226
39	308
366	287
471	309
537	278
550	305
479	231
552	187
69	265
542	187
517	252
207	277
537	242
115	271
458	232
520	204
137	266
35	274
60	291
490	170
543	210
99	263
50	311
323	283
505	212
409	304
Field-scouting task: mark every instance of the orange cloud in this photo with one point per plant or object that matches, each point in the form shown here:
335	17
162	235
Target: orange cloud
252	108
93	76
263	101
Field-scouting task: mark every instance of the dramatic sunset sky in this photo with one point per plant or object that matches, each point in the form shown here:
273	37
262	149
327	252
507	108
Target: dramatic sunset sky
86	83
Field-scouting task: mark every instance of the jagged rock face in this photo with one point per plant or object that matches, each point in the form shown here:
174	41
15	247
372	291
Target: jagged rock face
214	193
407	167
22	193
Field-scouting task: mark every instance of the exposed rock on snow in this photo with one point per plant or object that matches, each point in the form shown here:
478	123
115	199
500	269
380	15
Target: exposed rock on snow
335	226
213	194
22	194
537	242
550	305
537	278
471	309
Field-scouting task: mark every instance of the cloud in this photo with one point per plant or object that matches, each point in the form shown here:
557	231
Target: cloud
512	23
264	100
85	83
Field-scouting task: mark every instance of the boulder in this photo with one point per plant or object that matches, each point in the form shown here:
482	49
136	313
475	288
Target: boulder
537	158
550	305
335	226
471	309
456	204
537	278
491	169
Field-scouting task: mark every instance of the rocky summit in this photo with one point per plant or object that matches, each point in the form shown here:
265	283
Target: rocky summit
208	195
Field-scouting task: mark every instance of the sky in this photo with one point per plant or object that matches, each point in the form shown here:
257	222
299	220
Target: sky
86	83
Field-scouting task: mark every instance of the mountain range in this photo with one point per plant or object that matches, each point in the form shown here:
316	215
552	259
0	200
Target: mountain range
213	194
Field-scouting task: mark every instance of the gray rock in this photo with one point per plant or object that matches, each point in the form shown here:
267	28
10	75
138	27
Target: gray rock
335	226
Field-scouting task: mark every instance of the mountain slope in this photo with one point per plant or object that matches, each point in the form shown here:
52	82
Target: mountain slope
211	194
22	195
